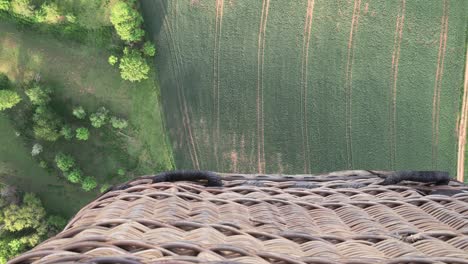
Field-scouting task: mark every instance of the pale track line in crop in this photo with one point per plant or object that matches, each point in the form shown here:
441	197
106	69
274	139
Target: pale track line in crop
304	80
462	127
400	20
181	94
260	64
438	84
216	71
349	81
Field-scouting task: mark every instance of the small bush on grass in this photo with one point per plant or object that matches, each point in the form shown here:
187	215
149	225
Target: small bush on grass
79	112
119	123
149	49
89	183
82	133
99	118
38	95
36	149
46	124
113	60
64	162
67	132
75	176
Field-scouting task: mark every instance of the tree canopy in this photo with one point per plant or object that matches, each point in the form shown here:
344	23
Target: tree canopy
127	21
8	99
133	67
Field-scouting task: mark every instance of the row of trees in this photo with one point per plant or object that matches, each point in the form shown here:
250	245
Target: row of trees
24	223
128	22
67	165
48	12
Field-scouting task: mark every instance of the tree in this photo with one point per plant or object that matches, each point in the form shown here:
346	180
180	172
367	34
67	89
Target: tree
79	112
119	123
149	49
38	95
64	162
67	132
22	8
82	133
4	81
8	99
99	118
113	60
49	13
89	183
104	187
121	171
75	176
36	149
46	124
4	5
28	215
56	223
133	67
127	21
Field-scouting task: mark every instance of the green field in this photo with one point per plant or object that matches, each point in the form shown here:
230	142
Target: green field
79	74
310	86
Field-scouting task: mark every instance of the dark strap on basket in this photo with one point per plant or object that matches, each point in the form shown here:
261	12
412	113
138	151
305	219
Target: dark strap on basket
437	177
213	179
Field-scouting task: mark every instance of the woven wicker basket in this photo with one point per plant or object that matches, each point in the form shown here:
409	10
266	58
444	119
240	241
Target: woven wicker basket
342	217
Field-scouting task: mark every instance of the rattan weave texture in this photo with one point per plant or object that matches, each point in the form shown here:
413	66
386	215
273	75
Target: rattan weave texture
342	218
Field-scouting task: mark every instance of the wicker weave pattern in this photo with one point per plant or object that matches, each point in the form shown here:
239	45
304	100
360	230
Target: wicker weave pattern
273	222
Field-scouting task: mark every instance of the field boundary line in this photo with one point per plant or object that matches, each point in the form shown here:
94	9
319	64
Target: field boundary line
349	81
400	21
216	73
438	84
463	127
181	94
260	64
304	79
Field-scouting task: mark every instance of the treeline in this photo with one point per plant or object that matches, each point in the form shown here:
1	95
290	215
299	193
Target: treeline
43	125
24	222
124	17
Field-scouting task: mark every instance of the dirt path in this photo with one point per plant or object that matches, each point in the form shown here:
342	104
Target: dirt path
180	90
438	85
400	21
260	116
216	71
462	127
349	81
304	81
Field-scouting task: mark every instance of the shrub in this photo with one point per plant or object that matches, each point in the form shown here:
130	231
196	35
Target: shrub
22	8
67	132
149	49
113	60
133	67
82	133
79	112
46	124
49	14
43	164
104	187
38	95
127	21
8	99
4	5
89	183
121	172
56	223
119	123
36	149
99	118
75	176
64	162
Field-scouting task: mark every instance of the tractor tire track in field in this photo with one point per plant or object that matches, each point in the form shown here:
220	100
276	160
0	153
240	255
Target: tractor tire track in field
349	81
180	90
462	127
260	115
304	82
438	84
216	71
400	21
